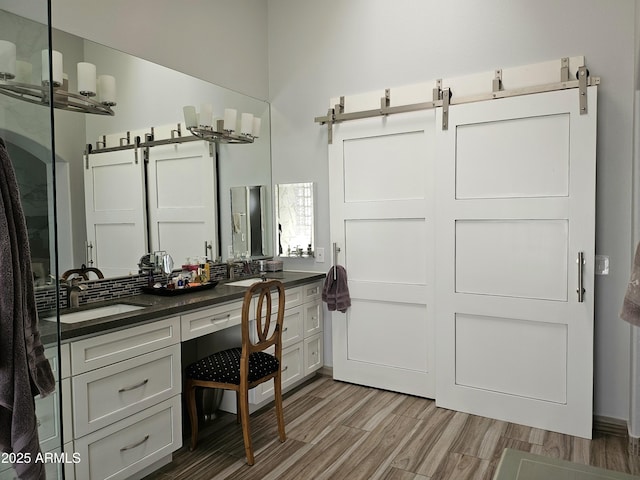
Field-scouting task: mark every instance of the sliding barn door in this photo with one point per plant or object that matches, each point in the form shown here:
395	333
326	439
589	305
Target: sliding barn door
381	188
182	200
516	210
115	212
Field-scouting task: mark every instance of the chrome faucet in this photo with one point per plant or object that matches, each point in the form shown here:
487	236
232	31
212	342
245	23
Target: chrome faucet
73	294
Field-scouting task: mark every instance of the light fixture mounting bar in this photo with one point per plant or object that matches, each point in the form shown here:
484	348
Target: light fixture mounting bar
220	135
62	99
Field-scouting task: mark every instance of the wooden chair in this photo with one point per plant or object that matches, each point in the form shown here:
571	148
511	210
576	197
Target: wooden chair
241	369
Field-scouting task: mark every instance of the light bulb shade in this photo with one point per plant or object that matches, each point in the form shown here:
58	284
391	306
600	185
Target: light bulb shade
7	60
87	79
206	115
107	90
255	130
24	70
230	118
246	124
190	116
56	69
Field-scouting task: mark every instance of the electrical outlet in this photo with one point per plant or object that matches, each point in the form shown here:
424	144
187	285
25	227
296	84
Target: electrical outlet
320	255
602	264
229	251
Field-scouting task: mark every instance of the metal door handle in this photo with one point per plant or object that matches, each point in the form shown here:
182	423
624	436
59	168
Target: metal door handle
580	289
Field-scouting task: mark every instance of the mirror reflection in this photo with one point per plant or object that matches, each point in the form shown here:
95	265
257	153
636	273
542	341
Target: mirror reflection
295	219
248	220
150	101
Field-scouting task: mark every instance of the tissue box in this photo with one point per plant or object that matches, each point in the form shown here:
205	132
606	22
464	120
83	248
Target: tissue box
274	265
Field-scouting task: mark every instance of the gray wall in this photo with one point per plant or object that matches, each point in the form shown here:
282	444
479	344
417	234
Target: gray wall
319	50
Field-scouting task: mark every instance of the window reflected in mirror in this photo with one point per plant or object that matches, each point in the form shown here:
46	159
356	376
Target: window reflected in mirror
295	219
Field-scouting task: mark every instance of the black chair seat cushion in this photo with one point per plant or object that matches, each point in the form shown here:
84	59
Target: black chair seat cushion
224	367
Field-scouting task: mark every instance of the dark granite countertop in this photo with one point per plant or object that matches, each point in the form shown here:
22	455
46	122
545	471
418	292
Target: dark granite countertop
157	306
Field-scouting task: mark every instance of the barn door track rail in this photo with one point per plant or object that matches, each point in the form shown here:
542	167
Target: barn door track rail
444	97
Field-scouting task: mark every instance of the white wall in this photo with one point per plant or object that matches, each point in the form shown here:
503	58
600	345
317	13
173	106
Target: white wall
320	50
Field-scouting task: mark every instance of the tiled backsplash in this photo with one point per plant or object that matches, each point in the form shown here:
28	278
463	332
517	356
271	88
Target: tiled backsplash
112	288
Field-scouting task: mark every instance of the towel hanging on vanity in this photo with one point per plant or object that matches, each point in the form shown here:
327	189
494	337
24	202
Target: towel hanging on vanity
24	370
631	303
336	290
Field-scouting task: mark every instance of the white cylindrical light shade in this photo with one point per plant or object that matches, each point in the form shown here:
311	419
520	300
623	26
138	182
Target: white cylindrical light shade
206	115
255	130
57	67
246	124
87	79
107	89
24	70
7	60
190	117
230	116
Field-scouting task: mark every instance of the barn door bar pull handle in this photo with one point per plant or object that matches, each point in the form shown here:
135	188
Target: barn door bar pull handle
580	290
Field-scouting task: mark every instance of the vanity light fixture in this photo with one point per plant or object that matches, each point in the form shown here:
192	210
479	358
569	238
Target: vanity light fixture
16	81
224	130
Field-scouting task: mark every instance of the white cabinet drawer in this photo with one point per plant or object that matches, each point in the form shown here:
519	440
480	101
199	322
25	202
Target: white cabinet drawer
312	291
116	391
292	326
292	297
108	348
292	371
209	320
126	447
312	318
62	363
312	354
48	414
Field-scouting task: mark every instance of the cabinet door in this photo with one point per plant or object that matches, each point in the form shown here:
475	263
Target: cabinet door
115	211
182	200
312	354
312	318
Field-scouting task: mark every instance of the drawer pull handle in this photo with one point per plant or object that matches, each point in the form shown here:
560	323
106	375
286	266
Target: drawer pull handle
285	368
285	329
133	387
134	445
221	320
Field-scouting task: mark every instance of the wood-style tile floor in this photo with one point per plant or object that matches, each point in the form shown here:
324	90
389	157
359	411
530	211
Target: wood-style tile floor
337	430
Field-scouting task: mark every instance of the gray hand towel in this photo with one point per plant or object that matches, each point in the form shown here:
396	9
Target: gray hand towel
631	303
336	290
24	370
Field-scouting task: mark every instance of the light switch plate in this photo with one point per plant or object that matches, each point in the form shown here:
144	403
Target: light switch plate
602	264
319	255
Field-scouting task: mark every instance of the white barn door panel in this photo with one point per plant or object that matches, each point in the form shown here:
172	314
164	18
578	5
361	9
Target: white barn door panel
381	189
516	206
182	200
115	212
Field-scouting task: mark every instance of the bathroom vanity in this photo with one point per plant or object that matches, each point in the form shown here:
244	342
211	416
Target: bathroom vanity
122	373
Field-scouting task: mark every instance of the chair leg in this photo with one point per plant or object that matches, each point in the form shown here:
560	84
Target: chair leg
277	390
238	414
246	428
190	391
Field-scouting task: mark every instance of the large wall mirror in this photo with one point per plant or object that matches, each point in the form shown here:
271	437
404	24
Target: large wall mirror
148	95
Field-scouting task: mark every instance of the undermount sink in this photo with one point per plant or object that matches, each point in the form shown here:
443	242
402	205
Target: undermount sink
93	313
247	282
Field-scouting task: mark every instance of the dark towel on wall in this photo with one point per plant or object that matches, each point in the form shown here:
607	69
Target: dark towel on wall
336	290
24	370
631	303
